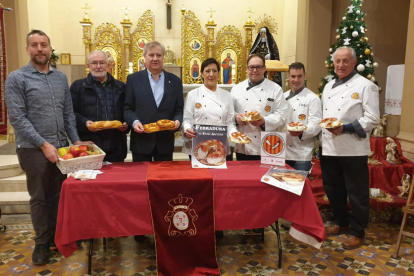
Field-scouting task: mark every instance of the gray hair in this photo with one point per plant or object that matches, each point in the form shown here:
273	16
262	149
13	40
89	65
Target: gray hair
97	51
153	44
345	47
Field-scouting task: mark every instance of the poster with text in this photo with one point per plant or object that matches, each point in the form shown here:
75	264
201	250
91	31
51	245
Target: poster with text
209	147
289	180
273	148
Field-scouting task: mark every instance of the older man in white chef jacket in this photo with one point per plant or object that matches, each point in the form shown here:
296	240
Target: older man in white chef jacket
354	100
304	106
257	93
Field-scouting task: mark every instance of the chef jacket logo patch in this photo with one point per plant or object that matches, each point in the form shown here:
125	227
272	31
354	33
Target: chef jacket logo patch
198	105
302	117
355	96
267	108
181	217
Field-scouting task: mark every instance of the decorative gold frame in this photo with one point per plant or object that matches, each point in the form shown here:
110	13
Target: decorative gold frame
268	21
190	31
144	30
65	58
230	38
107	35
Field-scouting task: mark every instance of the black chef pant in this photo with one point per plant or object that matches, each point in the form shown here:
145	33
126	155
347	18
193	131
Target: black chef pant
347	177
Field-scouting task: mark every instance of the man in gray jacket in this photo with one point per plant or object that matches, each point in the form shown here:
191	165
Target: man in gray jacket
40	110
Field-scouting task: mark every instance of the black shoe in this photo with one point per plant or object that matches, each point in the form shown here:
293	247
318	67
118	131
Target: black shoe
140	238
52	244
40	254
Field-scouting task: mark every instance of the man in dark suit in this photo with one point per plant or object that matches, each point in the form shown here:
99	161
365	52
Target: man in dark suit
153	95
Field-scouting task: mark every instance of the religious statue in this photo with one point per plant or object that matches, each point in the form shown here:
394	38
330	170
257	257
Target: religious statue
266	46
195	69
226	64
372	160
379	131
405	186
391	150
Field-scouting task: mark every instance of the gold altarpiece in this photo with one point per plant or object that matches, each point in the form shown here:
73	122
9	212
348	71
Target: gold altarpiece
193	47
126	49
121	49
143	33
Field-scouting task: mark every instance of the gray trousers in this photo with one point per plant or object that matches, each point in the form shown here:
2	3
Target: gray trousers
44	181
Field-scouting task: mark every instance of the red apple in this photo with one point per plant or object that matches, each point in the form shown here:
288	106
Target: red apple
83	148
67	156
74	150
83	153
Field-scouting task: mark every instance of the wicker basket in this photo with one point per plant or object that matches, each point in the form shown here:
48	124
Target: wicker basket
90	162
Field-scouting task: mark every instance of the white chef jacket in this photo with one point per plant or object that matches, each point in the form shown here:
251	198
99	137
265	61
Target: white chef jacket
206	107
267	98
356	99
306	108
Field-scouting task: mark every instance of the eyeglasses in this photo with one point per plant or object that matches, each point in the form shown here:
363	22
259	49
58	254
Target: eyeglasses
95	64
252	68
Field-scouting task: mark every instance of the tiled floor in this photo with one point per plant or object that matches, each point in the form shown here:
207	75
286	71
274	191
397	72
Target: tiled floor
237	254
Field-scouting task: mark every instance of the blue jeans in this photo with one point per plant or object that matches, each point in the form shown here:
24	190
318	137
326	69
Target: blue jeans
299	165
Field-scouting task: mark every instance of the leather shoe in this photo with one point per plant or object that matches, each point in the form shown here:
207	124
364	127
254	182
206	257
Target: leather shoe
40	254
352	242
140	238
334	230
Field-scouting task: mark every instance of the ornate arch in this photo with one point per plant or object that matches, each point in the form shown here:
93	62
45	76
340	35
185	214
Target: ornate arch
143	33
193	46
108	38
229	40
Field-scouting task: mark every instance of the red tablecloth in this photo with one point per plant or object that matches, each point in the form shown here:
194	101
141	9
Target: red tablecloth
116	204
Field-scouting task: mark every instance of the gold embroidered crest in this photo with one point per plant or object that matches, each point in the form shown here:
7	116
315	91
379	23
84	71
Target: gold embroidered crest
198	105
267	108
181	217
355	96
302	117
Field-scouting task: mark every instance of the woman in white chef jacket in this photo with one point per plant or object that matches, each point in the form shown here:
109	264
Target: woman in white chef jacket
208	105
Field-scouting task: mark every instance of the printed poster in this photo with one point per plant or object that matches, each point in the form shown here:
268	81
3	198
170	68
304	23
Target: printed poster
209	147
273	148
289	180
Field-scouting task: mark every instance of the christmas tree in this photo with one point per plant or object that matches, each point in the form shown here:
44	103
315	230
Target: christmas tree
352	33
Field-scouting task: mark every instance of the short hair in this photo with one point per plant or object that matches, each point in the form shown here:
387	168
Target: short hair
297	66
209	61
153	44
256	55
39	32
97	51
345	47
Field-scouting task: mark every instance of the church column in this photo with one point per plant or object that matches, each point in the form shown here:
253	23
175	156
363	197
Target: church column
126	25
406	135
86	24
248	27
210	38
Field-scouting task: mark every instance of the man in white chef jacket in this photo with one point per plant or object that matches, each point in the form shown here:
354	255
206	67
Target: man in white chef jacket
303	106
354	100
257	93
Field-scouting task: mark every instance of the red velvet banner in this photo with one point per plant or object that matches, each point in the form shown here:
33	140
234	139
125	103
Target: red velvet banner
3	72
182	209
